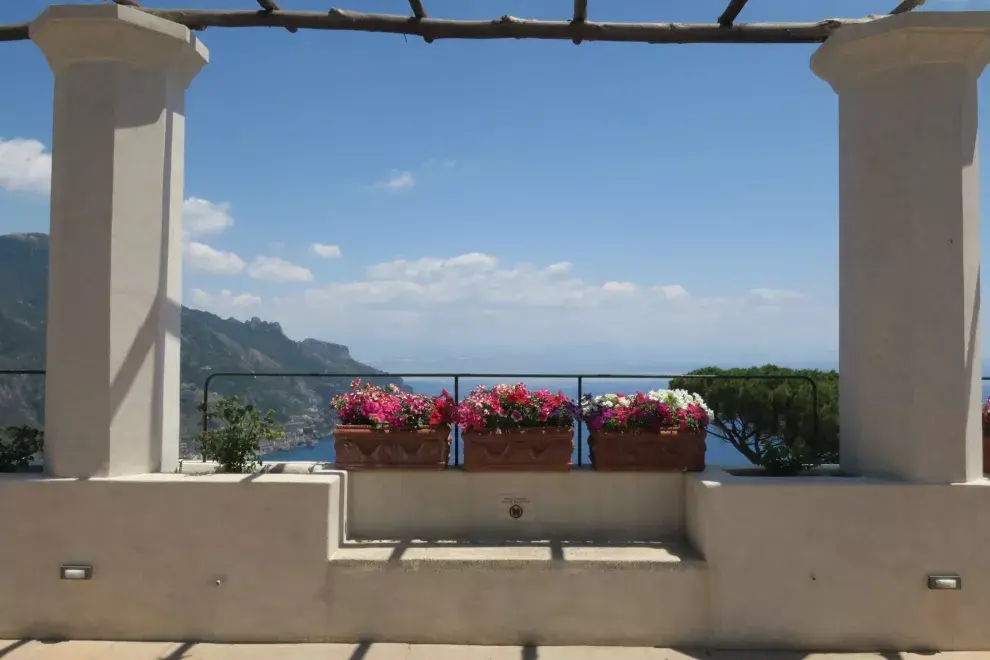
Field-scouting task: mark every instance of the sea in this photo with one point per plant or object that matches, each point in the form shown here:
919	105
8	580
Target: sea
719	451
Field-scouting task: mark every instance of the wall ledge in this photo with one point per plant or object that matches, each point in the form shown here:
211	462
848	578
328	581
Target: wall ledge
826	476
172	477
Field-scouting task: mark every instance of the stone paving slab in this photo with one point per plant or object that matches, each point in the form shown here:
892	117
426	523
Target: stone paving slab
81	650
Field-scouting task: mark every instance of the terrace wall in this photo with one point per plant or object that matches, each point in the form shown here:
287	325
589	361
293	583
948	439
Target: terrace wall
810	563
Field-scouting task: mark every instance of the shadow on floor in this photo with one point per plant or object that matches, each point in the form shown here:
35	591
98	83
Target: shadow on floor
366	650
183	649
180	651
13	646
361	651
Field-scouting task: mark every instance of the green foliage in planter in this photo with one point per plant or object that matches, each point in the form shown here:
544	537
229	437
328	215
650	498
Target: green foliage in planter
235	433
775	416
18	445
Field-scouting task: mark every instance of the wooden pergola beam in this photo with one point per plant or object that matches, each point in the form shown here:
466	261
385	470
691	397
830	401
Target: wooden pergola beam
906	6
417	8
731	12
14	32
506	27
580	16
580	11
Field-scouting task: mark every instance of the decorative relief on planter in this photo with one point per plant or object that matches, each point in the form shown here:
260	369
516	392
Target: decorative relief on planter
641	449
527	449
363	447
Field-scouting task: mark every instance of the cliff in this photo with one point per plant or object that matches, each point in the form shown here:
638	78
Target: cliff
210	344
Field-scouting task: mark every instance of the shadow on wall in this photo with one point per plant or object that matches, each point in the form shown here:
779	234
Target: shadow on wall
368	650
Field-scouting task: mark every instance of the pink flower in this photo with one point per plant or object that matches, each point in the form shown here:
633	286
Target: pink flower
514	406
392	408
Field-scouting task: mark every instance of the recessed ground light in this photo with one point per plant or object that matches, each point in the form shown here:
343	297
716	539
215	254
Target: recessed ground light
942	582
77	572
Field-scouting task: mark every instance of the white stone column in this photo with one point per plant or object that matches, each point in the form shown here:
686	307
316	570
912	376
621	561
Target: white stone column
909	249
112	401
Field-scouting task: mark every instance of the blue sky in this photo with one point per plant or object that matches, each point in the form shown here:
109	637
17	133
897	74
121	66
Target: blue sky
478	200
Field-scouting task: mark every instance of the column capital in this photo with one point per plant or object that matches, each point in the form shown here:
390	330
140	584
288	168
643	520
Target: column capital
73	34
860	51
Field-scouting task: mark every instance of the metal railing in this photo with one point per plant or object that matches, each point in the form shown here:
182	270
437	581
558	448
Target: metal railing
457	377
22	372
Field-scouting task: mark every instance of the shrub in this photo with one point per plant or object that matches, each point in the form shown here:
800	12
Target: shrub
779	460
513	407
18	445
655	410
236	442
392	408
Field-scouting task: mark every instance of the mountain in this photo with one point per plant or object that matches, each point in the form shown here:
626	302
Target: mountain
210	344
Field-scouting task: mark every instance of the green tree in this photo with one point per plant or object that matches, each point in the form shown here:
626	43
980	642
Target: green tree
234	434
771	420
18	446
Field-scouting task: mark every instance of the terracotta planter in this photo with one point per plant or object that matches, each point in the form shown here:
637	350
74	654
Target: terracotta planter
986	452
531	449
362	447
643	450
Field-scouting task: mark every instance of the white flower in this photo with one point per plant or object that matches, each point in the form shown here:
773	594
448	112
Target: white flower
680	399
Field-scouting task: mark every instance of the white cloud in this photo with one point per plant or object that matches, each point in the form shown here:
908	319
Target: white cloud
202	257
275	269
201	217
200	298
224	300
472	279
326	251
25	165
397	181
430	267
619	287
671	291
775	295
561	268
473	300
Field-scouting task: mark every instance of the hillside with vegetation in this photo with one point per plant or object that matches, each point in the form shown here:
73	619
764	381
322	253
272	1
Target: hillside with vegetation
210	344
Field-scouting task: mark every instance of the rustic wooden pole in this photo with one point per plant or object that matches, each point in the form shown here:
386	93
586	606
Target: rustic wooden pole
580	11
417	8
506	27
14	32
580	16
906	6
731	12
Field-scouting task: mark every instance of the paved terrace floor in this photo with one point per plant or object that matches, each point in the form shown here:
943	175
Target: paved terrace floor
33	650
